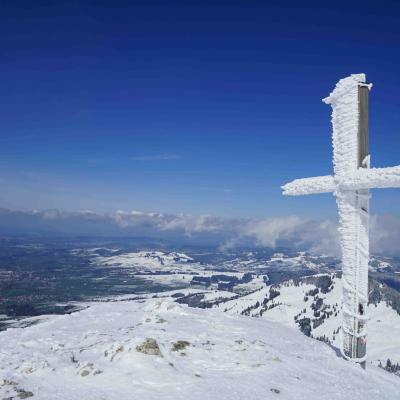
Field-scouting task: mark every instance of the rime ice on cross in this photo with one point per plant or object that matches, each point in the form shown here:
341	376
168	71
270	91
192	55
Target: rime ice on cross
350	183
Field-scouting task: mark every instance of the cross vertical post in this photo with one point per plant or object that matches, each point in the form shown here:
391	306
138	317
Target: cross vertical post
353	207
364	196
354	338
363	94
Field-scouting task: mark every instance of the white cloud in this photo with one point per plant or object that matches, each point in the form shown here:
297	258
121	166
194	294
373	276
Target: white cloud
293	231
171	222
268	231
385	234
320	237
290	231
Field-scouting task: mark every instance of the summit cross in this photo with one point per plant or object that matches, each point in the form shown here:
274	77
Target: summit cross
351	182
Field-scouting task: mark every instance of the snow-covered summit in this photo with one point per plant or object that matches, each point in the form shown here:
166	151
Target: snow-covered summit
158	349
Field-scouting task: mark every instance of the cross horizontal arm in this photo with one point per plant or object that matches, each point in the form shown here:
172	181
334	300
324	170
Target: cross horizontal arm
370	178
363	178
317	184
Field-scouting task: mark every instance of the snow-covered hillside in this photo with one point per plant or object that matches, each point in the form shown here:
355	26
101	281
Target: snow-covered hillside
313	305
158	349
148	261
299	261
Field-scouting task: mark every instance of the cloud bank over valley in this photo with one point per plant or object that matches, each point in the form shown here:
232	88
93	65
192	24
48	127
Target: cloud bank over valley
317	236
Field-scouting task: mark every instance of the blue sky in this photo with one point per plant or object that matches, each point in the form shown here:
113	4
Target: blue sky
184	107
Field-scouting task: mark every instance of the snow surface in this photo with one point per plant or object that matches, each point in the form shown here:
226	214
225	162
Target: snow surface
93	355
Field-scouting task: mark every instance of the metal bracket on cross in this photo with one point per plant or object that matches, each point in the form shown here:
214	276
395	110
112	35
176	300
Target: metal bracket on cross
350	183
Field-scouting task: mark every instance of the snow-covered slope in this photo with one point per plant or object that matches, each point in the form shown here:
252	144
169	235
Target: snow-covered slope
158	349
299	261
149	261
313	305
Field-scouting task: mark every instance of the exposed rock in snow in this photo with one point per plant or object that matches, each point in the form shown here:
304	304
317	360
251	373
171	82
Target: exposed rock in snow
149	346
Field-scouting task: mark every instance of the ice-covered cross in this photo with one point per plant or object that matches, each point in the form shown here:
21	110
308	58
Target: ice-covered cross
350	183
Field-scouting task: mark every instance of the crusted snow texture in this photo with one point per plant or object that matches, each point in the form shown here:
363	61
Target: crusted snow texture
353	214
318	184
354	239
363	178
345	115
368	178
